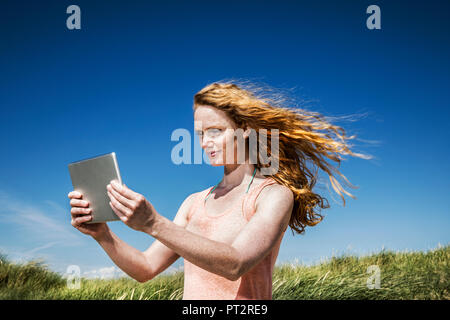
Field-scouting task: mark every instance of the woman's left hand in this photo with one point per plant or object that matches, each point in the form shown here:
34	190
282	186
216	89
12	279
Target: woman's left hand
131	207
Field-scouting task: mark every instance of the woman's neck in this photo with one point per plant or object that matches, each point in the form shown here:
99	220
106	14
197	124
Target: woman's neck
237	175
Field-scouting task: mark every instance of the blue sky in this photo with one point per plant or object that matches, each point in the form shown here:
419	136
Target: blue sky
126	81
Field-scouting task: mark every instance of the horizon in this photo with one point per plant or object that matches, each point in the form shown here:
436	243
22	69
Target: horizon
114	272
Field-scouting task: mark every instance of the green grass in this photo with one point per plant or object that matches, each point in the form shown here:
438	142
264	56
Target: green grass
403	275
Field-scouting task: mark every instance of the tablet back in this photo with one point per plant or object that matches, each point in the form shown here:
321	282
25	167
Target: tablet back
90	177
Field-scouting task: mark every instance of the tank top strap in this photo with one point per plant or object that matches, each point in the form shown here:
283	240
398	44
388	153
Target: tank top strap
249	208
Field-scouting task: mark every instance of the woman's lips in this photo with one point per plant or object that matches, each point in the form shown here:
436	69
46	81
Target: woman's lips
213	154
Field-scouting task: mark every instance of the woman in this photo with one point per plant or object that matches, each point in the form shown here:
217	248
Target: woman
229	235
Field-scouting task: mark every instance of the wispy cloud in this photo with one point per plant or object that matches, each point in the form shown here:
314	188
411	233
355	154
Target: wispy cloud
23	255
36	220
104	273
115	273
33	251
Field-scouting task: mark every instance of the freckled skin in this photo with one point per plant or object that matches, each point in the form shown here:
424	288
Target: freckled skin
231	256
227	228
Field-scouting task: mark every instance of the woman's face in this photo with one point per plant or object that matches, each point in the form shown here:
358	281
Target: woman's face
216	130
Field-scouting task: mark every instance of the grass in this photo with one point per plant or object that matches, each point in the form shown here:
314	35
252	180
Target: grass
402	275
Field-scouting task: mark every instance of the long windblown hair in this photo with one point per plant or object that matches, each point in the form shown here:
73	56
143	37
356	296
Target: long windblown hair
305	137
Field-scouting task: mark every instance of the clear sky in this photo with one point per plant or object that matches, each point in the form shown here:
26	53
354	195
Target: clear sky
126	80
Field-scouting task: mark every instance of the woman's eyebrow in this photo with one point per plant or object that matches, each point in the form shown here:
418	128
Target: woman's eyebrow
214	126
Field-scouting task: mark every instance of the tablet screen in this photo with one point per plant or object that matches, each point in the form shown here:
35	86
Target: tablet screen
90	177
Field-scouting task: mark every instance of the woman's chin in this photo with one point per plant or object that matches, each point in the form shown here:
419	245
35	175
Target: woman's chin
215	163
220	163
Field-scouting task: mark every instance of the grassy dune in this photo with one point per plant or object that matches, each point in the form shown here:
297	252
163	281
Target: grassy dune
402	275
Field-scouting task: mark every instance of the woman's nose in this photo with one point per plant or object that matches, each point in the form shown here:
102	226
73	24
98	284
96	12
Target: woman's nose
206	143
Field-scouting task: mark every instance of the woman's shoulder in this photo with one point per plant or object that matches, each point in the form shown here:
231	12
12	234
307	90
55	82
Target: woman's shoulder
194	198
270	189
269	183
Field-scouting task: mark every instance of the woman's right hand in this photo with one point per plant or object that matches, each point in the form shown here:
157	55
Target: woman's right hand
81	213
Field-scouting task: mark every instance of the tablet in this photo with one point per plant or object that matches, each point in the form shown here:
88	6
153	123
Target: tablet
90	177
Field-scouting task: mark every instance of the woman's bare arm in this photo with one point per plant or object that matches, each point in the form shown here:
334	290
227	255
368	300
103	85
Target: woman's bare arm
139	265
232	261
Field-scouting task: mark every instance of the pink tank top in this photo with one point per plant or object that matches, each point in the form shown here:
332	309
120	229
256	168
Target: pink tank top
200	284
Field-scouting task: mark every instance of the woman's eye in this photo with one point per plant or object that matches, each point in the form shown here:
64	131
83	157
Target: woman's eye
209	132
214	131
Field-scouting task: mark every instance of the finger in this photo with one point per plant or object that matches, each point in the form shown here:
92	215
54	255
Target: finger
118	213
81	220
125	201
125	191
76	222
83	211
75	194
79	203
124	210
